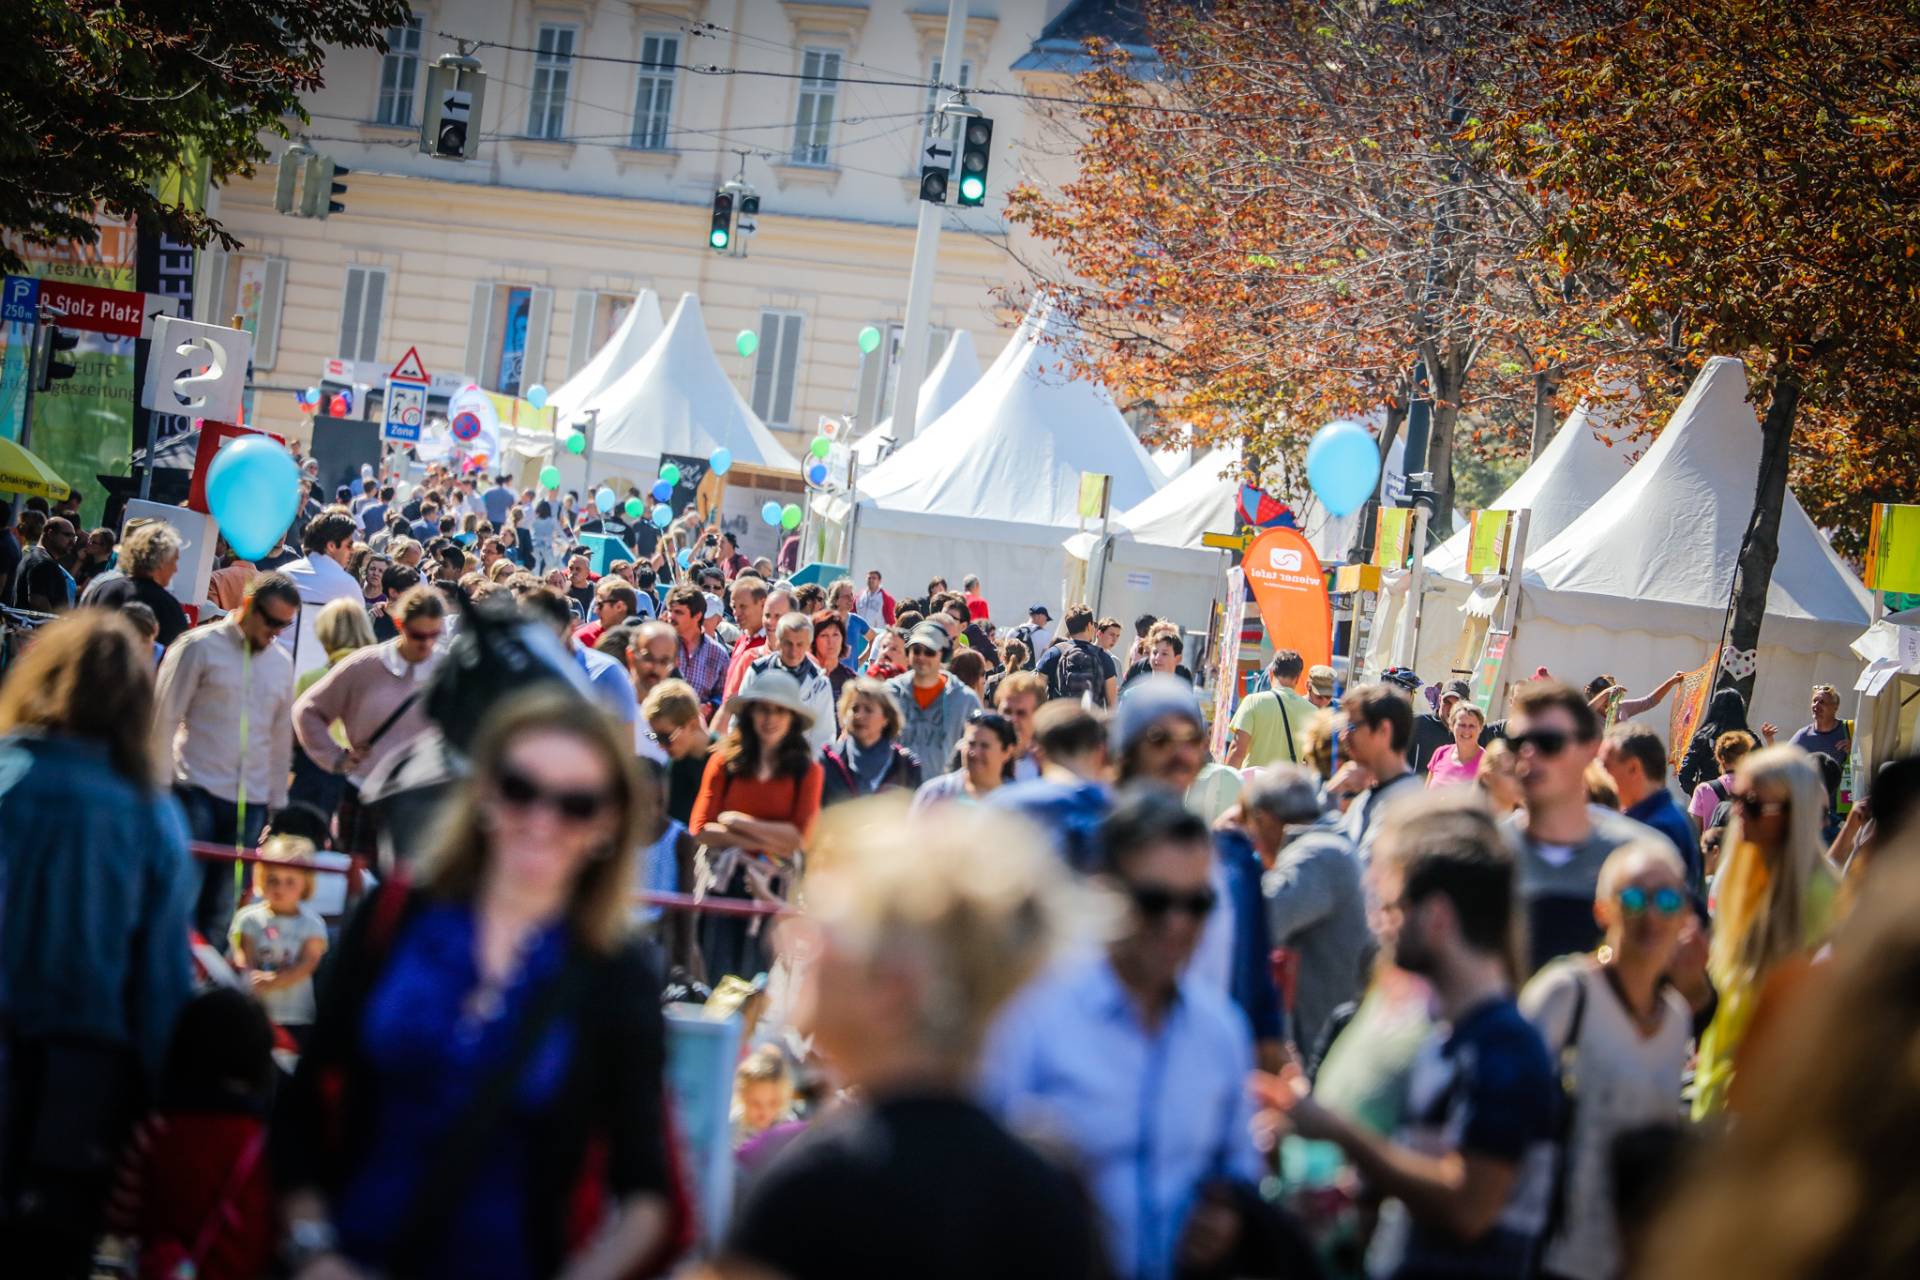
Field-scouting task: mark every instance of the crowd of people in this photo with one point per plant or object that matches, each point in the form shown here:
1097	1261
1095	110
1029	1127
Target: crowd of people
1040	973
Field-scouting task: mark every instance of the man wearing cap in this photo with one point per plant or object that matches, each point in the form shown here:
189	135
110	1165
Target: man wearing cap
1316	905
1430	732
1036	632
1320	686
792	648
1267	726
933	705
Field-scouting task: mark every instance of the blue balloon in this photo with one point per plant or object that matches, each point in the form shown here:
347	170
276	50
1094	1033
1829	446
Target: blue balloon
604	499
253	492
537	396
1343	465
770	512
721	460
662	491
662	516
685	557
312	396
817	473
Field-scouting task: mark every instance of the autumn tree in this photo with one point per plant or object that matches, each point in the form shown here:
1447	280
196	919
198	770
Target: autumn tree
101	100
1748	171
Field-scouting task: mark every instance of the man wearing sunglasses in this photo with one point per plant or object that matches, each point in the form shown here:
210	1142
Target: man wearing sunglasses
1560	841
223	717
933	705
1371	732
1125	1057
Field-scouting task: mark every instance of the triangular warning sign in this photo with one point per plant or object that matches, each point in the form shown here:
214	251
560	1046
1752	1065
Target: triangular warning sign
410	369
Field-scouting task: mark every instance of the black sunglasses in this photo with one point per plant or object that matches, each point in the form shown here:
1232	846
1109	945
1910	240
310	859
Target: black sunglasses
521	792
1154	901
276	624
1546	742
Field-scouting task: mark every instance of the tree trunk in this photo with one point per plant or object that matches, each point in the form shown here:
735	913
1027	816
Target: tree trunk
1446	381
1761	546
1543	387
1360	549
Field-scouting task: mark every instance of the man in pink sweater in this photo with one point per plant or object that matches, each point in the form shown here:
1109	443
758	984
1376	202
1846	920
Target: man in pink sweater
375	694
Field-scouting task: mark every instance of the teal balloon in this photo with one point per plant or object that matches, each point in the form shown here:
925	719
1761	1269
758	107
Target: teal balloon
746	342
537	396
549	477
603	497
253	492
685	557
662	516
790	516
671	473
770	512
662	490
869	340
634	508
1343	466
721	460
312	397
577	442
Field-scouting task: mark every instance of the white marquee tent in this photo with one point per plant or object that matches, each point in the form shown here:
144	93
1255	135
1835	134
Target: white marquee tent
951	377
638	331
1155	562
1638	585
992	485
677	399
1569	476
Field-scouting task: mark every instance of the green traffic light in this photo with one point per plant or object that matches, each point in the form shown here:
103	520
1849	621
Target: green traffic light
972	188
718	238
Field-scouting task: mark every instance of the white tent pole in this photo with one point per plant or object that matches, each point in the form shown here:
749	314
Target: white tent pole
1409	636
1509	613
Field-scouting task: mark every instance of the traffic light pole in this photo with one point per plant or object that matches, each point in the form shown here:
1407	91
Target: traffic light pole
926	253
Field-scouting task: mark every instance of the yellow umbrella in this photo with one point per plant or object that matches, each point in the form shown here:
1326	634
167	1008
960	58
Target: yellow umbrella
22	471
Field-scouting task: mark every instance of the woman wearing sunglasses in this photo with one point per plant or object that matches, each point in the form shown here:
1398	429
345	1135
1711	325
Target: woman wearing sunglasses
1772	904
486	1059
1621	1035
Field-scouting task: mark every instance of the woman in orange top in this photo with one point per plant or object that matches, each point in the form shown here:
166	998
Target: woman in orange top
757	802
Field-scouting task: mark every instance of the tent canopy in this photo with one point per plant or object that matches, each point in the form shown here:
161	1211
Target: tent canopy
1200	500
638	331
677	399
951	377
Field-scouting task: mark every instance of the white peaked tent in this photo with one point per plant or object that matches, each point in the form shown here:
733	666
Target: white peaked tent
951	377
1570	475
1155	562
638	331
677	399
1638	585
992	485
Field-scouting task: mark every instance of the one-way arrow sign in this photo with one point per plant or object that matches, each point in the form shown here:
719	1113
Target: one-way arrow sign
937	152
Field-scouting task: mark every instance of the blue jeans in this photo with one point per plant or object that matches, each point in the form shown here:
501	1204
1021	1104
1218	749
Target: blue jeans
216	821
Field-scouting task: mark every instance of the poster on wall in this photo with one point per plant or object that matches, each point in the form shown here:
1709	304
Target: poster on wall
513	341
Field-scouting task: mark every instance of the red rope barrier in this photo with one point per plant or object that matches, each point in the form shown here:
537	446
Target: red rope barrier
207	852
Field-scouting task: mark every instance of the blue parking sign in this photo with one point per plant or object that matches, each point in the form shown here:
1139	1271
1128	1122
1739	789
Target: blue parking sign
20	299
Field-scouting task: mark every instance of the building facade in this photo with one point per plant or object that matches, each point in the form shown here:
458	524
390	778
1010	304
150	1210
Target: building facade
606	128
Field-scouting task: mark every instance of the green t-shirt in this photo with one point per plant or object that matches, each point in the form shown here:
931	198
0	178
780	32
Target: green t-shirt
1266	717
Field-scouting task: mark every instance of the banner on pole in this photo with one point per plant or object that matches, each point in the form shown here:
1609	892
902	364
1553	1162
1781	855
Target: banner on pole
1393	537
1291	591
1487	541
1093	495
1486	672
1226	681
1893	548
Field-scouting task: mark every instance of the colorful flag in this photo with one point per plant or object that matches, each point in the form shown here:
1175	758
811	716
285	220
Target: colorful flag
1487	541
1893	548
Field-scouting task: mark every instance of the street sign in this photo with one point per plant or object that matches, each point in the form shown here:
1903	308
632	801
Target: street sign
936	153
20	300
404	407
1227	541
119	312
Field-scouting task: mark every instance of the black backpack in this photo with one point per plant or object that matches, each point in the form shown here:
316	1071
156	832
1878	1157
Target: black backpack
1078	673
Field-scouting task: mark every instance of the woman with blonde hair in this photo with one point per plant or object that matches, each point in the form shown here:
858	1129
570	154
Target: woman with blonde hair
1773	899
903	963
487	1056
95	917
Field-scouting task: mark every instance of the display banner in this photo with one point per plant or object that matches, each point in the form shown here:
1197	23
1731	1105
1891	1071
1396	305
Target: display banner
1487	539
1291	591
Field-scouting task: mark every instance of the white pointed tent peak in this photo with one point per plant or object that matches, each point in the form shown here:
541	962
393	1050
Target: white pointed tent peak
951	377
638	331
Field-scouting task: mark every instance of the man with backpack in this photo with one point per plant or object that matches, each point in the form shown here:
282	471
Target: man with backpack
1080	668
1036	633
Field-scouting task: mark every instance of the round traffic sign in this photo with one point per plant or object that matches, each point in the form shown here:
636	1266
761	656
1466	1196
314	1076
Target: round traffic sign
465	426
410	416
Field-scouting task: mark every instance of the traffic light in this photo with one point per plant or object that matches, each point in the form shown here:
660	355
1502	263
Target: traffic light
975	141
48	370
287	190
450	113
317	197
746	224
933	183
721	236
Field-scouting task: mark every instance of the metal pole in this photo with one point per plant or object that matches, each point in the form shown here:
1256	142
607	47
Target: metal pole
1409	636
33	375
926	252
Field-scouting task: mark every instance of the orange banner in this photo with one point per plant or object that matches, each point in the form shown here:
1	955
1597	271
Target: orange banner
1291	591
1689	704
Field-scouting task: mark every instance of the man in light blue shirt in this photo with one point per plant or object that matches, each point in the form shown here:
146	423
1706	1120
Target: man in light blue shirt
1139	1071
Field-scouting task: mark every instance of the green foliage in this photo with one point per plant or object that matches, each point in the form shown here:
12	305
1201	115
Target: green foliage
102	100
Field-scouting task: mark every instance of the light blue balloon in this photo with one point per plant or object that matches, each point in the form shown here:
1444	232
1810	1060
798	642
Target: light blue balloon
685	557
662	491
253	492
770	512
537	396
1343	466
662	516
721	460
603	498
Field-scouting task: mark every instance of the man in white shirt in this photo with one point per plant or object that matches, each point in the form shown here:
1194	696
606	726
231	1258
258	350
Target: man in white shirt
792	646
321	577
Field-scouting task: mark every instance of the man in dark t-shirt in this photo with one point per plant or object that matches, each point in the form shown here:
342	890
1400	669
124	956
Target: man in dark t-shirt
42	585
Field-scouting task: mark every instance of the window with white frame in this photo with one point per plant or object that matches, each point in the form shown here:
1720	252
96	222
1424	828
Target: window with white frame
776	367
366	292
653	101
813	122
400	74
552	78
